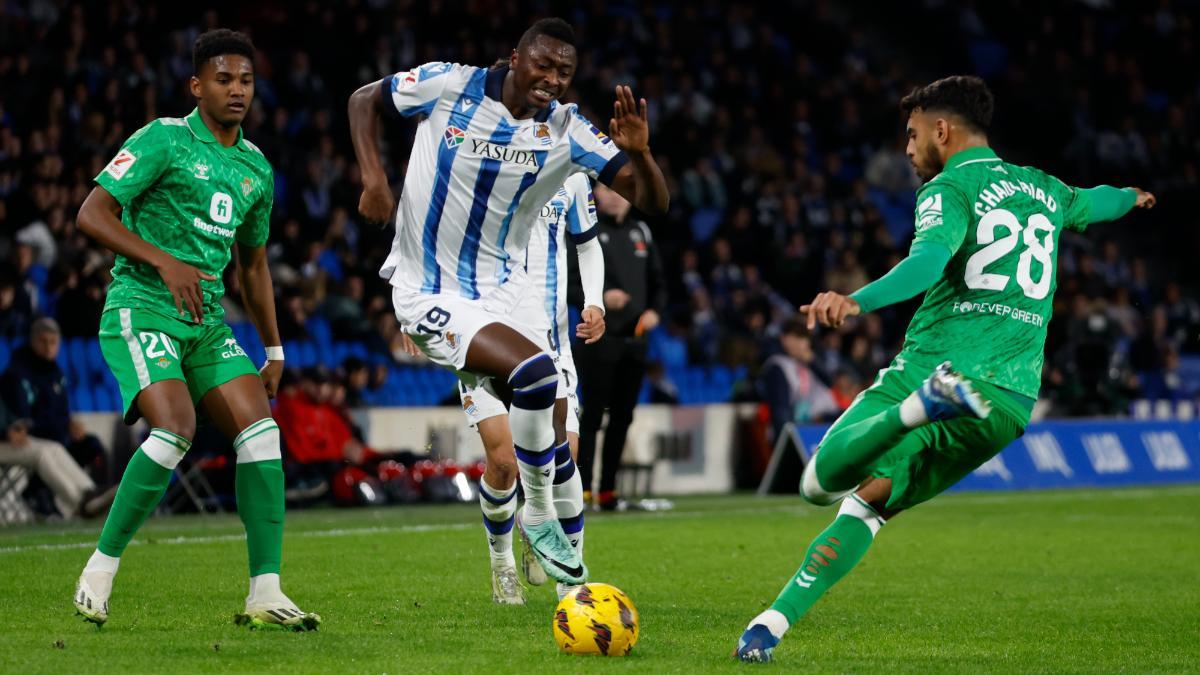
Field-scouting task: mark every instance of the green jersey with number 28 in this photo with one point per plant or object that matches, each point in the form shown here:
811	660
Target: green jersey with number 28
190	196
989	312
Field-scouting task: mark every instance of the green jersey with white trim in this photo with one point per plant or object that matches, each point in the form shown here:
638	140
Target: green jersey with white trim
989	312
190	196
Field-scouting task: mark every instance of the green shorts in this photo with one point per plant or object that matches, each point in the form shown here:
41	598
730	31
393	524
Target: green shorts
932	458
142	347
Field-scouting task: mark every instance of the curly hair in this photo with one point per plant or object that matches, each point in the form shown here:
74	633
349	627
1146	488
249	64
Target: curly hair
552	27
218	43
963	95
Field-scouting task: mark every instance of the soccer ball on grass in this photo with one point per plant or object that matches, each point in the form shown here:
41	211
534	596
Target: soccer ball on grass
596	619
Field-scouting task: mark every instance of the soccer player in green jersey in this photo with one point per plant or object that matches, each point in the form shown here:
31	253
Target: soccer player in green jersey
984	253
172	205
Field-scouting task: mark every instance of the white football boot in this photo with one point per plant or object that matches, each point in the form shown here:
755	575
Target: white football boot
91	595
506	587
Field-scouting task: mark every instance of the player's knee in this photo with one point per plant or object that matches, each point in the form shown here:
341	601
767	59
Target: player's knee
501	474
811	489
180	425
534	383
855	507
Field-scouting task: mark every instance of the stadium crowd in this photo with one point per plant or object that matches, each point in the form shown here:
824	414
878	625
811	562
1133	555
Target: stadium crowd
778	131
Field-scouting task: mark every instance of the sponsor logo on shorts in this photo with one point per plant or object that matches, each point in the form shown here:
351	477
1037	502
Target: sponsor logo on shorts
232	349
163	362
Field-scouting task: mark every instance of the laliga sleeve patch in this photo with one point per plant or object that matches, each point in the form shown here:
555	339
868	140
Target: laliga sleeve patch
120	164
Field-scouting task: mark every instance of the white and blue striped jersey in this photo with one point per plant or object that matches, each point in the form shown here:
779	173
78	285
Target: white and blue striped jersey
571	212
477	178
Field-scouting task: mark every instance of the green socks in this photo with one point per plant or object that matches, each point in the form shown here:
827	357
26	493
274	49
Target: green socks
829	558
259	489
141	488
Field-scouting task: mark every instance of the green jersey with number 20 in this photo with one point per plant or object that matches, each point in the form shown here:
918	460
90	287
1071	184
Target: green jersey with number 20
989	312
185	193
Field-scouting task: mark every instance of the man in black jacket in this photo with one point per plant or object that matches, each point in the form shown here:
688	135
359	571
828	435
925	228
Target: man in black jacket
611	370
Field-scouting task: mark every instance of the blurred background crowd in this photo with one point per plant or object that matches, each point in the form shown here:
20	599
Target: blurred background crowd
777	127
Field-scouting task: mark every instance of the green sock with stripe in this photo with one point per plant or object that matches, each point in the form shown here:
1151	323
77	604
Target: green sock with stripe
829	558
142	486
259	489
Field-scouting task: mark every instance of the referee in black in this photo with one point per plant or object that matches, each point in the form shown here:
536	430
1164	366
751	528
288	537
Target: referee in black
611	370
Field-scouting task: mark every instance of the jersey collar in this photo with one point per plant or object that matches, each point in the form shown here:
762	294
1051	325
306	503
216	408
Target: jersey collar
971	155
205	135
494	89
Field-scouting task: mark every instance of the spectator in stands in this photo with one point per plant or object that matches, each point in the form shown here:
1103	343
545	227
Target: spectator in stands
792	390
35	389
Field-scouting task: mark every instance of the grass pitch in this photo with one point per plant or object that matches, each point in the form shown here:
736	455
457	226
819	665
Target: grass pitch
1081	581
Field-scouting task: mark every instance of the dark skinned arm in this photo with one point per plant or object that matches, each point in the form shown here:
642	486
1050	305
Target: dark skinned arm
641	181
258	297
99	218
377	204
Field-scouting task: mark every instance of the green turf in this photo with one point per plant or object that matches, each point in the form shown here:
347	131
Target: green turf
1079	581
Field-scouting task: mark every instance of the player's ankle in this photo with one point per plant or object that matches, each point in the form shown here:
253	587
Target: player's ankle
773	620
99	562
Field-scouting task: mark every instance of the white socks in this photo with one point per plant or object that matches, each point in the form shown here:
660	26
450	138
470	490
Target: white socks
499	510
912	412
774	620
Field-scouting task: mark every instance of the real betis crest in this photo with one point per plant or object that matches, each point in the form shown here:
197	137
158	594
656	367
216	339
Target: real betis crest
247	186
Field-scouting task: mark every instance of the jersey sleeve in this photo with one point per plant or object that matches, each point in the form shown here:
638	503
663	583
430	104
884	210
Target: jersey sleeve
143	158
417	91
581	215
942	215
256	226
591	150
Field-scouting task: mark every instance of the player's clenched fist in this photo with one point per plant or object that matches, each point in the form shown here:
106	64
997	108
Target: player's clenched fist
830	309
376	203
1145	200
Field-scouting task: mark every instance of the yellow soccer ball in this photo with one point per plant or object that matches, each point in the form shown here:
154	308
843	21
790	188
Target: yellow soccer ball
596	619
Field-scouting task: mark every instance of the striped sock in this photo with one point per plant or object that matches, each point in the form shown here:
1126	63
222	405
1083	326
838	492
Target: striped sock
499	512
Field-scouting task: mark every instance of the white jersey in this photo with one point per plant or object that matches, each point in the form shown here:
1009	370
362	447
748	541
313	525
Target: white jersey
477	178
571	212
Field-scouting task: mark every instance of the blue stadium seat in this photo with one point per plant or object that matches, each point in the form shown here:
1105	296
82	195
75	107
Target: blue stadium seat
97	369
83	399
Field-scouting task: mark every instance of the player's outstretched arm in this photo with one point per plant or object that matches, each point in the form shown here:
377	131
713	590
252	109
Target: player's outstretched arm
258	297
1105	203
99	218
377	202
640	181
915	274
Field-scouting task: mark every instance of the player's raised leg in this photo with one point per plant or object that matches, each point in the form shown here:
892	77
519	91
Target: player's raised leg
500	351
240	410
168	409
868	430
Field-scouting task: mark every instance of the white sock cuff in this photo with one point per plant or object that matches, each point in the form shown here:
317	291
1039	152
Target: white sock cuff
774	620
568	497
497	505
100	562
164	448
265	585
258	442
856	508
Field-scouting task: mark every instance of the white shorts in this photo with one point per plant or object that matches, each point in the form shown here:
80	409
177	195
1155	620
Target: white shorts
479	398
443	325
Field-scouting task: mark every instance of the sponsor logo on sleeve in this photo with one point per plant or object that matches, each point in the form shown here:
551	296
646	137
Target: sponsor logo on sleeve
929	212
120	164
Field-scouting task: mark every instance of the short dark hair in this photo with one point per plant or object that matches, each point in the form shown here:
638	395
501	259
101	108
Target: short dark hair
796	326
964	95
218	43
553	27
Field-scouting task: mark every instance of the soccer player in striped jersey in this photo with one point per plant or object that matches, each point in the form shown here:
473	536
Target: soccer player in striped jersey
541	314
493	147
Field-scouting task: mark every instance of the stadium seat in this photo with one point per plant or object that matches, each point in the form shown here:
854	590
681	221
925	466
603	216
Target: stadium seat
83	399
